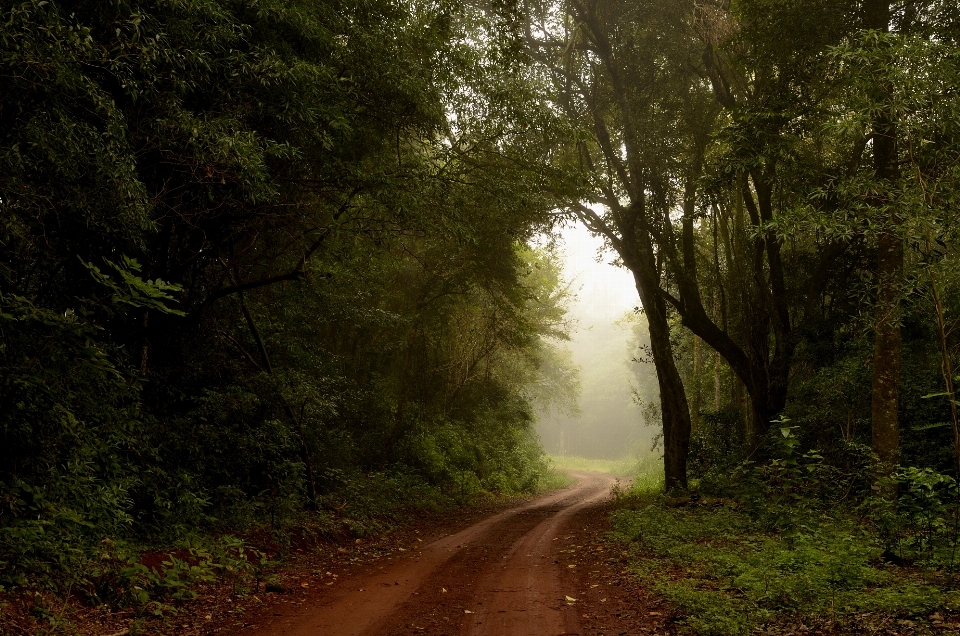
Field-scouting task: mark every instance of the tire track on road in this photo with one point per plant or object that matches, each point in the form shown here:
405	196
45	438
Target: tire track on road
407	596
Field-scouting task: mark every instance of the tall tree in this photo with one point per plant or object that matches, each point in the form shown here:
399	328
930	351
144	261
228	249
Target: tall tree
890	263
604	59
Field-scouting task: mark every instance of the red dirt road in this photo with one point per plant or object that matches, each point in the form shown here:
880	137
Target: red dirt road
512	573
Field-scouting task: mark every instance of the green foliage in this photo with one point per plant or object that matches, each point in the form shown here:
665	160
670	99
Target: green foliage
786	490
732	576
152	582
920	524
742	149
717	447
791	544
69	422
133	291
259	264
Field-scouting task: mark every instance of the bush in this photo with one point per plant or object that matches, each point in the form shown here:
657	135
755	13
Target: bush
70	432
921	524
731	575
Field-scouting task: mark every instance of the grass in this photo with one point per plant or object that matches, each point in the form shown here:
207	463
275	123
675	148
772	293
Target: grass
626	467
555	480
729	576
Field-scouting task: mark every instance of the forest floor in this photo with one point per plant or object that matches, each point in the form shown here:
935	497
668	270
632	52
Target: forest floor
541	566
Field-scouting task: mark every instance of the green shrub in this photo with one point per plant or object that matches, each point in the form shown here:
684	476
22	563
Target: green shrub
70	438
921	524
733	574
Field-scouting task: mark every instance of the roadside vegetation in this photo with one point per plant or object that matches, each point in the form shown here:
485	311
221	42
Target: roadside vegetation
792	545
617	467
265	277
267	272
781	179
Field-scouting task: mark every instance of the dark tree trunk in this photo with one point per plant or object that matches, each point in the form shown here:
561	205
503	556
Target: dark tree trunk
887	343
765	376
675	411
886	354
673	399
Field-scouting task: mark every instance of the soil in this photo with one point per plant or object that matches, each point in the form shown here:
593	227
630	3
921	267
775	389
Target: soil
541	568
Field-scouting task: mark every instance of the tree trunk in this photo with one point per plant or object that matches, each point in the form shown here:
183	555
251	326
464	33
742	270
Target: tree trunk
886	355
695	405
673	399
887	344
674	409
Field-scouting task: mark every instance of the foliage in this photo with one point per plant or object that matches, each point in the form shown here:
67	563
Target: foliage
730	574
69	422
133	291
920	525
260	265
266	265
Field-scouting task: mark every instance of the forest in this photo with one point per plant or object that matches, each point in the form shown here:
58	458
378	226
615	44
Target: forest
278	266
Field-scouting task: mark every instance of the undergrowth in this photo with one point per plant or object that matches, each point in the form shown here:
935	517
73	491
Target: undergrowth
730	576
157	580
556	479
774	554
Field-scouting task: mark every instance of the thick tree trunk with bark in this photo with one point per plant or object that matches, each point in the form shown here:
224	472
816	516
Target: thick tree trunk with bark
887	344
673	399
886	355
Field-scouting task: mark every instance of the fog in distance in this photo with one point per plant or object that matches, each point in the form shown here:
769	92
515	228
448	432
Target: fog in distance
607	336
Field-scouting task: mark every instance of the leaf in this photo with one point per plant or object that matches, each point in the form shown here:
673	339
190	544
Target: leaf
927	427
134	291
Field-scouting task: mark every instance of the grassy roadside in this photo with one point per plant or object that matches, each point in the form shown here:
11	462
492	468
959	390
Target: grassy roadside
627	468
729	573
555	480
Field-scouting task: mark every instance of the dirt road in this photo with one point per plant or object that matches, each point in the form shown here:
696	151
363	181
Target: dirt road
512	573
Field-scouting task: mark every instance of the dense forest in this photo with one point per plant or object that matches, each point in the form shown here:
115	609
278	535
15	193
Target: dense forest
261	260
257	255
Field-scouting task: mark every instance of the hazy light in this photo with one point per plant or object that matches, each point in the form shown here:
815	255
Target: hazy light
605	292
610	425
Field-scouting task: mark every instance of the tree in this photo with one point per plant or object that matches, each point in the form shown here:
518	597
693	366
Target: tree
251	255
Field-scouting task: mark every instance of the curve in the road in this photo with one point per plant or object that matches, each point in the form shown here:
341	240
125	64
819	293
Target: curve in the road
513	588
525	593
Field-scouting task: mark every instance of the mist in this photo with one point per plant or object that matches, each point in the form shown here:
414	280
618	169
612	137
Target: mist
605	344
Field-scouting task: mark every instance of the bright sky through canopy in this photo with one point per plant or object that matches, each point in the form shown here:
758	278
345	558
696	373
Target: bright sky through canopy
610	424
604	292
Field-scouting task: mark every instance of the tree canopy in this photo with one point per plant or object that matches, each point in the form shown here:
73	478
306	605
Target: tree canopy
253	254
